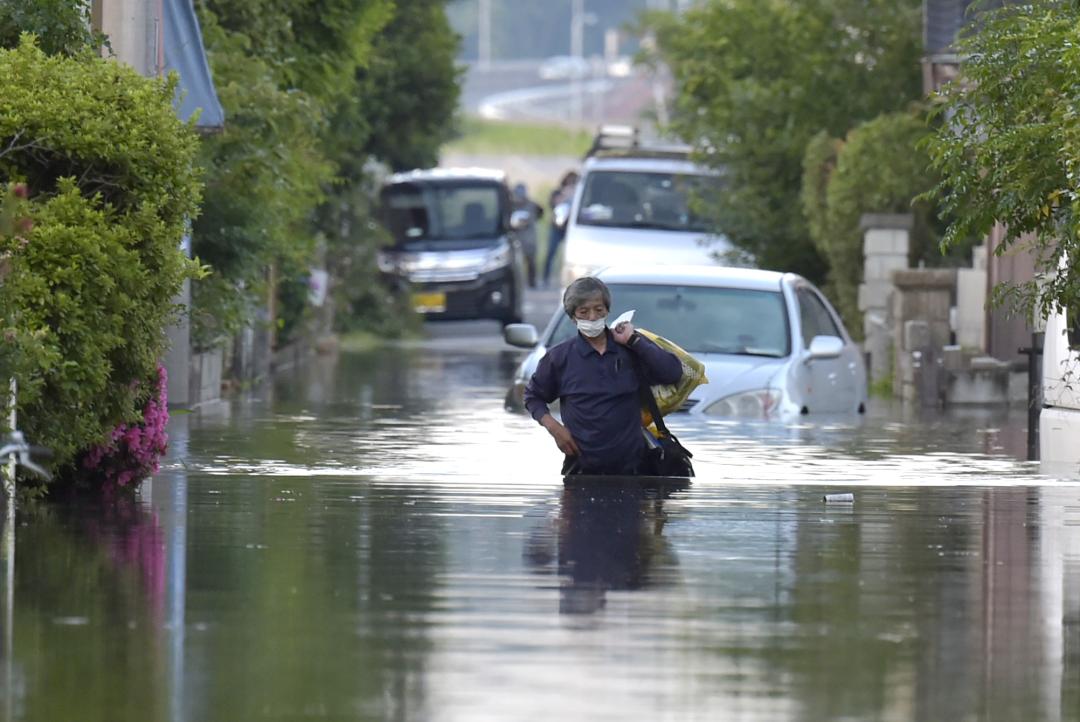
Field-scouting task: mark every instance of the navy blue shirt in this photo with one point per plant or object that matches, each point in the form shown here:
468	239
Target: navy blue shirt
598	395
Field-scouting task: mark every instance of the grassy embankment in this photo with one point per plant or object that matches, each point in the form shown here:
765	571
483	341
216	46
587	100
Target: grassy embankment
494	137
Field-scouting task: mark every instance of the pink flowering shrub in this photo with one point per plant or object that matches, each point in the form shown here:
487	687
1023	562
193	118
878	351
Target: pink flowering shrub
134	450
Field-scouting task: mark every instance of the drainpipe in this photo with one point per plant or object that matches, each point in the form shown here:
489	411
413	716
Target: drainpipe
1034	356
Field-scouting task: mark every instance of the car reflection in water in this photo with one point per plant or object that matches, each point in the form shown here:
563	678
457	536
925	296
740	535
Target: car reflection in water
607	536
772	345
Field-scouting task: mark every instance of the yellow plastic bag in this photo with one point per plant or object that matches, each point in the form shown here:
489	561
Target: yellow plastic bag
670	397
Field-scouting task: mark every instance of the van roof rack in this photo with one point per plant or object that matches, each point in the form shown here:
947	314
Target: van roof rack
614	141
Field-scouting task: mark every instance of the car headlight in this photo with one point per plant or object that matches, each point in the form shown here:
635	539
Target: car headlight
758	404
496	259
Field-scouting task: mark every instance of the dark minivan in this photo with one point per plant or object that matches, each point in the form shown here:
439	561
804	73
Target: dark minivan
455	242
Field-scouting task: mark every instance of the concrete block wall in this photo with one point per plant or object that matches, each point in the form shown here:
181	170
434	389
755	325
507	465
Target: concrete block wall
920	311
971	302
134	28
925	294
886	240
206	376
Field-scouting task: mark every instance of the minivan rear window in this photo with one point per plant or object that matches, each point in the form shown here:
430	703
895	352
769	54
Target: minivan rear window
451	212
635	199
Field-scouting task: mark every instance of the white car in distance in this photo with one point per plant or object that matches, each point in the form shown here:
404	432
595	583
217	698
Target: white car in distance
635	204
772	345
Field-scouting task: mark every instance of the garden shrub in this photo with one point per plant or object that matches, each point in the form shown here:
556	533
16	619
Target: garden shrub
112	184
134	449
879	168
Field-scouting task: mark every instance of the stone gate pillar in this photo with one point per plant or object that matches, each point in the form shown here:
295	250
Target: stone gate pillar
886	240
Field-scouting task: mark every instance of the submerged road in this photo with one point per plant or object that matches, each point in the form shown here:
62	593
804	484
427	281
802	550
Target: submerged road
374	537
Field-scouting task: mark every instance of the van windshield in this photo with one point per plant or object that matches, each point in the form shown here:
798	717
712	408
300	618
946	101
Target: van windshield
702	319
633	199
445	212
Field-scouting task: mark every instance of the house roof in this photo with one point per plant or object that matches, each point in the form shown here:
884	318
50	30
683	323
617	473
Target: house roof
943	20
184	53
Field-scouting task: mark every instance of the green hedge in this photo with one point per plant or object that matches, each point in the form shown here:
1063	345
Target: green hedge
112	184
879	168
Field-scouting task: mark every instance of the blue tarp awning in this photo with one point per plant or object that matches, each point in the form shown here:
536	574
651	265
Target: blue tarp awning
185	54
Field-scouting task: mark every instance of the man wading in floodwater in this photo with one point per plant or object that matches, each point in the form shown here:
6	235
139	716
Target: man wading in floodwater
593	376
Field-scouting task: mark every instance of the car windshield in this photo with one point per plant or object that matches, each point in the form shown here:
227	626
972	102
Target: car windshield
702	319
631	199
426	212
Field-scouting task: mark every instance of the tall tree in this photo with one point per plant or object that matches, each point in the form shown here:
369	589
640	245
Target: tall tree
315	90
399	114
757	79
410	88
61	26
1009	147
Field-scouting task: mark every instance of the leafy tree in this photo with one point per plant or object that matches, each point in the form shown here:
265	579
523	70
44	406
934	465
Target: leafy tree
111	184
410	87
878	168
400	116
1008	147
314	92
264	179
313	45
61	26
757	79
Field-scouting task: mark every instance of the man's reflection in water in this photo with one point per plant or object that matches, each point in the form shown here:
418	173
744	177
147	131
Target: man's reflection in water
606	536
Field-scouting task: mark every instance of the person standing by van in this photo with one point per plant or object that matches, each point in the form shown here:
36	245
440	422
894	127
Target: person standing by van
564	193
527	234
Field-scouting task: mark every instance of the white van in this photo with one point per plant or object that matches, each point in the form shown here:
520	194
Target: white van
632	205
1059	420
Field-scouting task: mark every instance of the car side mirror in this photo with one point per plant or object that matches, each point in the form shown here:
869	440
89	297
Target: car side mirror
561	214
825	347
522	335
520	219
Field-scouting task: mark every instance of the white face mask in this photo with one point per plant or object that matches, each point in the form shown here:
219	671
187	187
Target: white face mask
592	329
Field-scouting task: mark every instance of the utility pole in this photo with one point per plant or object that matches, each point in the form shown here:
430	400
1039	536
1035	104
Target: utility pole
483	51
577	50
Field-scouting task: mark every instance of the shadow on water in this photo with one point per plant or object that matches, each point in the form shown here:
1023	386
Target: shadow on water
607	536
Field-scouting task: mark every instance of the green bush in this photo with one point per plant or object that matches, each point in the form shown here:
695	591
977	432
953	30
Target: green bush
363	299
879	168
1007	148
264	178
62	26
112	184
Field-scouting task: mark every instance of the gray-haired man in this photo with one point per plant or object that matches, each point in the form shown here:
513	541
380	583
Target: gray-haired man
592	375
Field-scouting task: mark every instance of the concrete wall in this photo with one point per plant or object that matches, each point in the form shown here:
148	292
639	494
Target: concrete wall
135	32
971	299
136	35
920	312
205	376
886	240
1005	331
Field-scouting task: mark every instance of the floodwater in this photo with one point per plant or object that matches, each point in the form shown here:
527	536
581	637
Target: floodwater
376	538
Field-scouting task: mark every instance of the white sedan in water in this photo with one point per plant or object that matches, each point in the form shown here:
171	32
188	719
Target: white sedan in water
772	345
